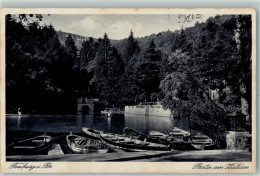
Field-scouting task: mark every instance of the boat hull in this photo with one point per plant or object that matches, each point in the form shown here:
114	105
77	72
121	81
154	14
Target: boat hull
200	142
94	134
90	146
20	149
156	137
132	144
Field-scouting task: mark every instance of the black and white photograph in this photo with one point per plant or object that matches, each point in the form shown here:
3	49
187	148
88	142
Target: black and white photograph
130	87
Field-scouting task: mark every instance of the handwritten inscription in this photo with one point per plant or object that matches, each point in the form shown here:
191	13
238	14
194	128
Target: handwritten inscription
30	167
227	166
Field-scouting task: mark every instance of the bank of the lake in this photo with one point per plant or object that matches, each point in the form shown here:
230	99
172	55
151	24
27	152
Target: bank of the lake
180	156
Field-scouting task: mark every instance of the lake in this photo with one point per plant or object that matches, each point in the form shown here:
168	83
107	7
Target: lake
74	123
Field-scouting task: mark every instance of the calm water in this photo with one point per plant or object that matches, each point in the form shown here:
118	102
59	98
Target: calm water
74	123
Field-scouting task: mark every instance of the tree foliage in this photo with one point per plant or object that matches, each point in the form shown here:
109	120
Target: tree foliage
37	68
209	58
108	69
180	68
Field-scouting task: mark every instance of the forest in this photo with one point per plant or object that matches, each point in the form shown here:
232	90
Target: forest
45	75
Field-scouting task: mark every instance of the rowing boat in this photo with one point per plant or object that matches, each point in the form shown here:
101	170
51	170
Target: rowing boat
83	145
153	136
95	134
134	133
177	131
201	141
130	144
35	145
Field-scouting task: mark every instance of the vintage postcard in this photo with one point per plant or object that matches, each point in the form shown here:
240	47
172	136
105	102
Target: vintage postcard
128	90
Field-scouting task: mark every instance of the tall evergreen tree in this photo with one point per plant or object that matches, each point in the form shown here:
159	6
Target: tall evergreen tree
148	72
71	47
87	55
107	72
130	54
131	47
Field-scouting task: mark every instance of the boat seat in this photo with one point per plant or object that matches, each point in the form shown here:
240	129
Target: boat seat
84	142
80	142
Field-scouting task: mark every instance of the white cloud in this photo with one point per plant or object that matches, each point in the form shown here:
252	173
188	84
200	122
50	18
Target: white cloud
115	29
116	26
121	29
89	26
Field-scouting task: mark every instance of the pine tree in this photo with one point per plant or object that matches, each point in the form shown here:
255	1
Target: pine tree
148	72
108	70
131	48
71	51
86	59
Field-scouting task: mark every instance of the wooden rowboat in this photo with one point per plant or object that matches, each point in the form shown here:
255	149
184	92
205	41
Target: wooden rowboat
153	136
160	137
130	132
35	145
129	144
95	134
177	131
201	141
83	145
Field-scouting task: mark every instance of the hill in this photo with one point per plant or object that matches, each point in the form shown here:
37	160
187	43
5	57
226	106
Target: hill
164	40
161	39
77	38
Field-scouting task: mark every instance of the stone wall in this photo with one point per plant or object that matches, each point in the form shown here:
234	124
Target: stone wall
239	140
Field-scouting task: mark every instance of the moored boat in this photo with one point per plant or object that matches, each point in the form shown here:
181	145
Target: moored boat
133	133
153	136
35	145
83	145
159	137
129	144
179	134
95	134
178	141
201	141
178	131
157	134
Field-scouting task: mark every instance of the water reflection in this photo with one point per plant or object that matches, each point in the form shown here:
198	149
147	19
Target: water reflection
109	123
79	121
18	122
74	123
148	123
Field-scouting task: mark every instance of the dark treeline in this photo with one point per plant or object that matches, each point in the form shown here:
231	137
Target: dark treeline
178	68
40	72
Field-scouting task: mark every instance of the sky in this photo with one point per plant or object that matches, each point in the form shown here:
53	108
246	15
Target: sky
117	26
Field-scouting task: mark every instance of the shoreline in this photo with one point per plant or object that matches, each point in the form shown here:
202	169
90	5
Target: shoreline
155	156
